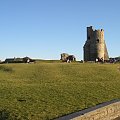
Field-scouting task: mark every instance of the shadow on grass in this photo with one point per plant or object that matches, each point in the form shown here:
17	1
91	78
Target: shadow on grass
4	115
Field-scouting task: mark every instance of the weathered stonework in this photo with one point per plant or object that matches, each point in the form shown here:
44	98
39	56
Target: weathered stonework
66	57
95	46
105	111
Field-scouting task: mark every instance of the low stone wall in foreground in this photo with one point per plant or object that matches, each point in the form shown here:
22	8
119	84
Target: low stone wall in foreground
106	111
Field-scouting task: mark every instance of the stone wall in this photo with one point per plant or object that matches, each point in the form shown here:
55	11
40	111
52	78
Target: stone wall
105	111
64	56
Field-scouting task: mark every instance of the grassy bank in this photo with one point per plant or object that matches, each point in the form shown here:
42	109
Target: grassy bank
44	91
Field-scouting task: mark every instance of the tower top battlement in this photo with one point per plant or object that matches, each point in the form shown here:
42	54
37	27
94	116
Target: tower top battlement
92	29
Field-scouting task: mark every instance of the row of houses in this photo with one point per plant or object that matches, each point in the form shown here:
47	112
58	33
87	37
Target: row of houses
18	60
114	60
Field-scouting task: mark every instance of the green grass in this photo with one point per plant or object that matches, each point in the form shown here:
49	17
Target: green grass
44	91
47	61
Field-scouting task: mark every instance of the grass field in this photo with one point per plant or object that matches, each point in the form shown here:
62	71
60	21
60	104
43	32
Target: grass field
44	91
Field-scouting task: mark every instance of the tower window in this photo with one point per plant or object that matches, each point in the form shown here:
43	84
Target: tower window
97	40
88	37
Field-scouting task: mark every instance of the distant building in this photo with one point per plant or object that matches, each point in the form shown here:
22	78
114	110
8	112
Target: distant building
117	58
114	60
10	60
19	60
95	46
27	60
67	58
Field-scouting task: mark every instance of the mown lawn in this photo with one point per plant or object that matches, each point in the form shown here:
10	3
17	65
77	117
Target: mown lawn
44	91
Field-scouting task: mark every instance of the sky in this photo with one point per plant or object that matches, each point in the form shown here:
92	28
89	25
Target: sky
44	29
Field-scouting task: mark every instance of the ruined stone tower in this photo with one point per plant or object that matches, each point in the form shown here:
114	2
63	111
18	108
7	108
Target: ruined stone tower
95	46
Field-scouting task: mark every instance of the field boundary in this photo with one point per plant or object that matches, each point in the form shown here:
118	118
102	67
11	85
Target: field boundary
105	111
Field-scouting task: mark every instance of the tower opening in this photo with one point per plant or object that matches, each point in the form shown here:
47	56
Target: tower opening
98	40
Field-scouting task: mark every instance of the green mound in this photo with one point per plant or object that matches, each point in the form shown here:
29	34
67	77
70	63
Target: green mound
49	90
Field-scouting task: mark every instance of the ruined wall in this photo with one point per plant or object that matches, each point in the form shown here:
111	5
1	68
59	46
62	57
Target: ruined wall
106	111
64	56
95	45
109	112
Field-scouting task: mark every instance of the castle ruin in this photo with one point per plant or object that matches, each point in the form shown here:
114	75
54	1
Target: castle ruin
95	46
67	58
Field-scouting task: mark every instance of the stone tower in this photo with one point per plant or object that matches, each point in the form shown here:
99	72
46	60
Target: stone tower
95	46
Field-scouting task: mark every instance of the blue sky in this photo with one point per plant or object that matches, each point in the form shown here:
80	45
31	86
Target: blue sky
46	28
